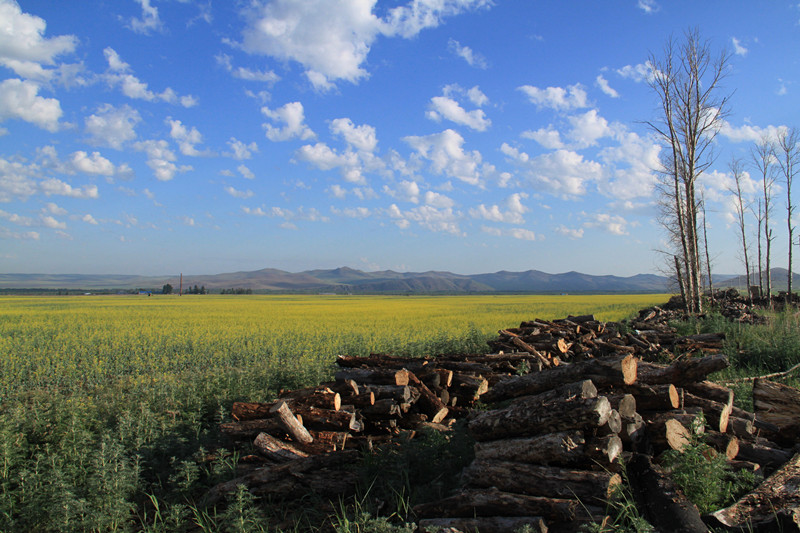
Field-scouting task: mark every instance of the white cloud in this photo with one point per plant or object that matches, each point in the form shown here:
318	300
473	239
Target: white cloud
557	98
638	73
246	172
352	212
149	21
244	73
738	49
511	213
23	46
326	158
239	194
587	128
445	152
161	159
20	100
426	216
332	38
187	139
467	54
362	137
439	200
407	191
548	137
92	164
477	97
562	172
241	150
54	209
633	161
5	233
53	186
648	6
613	224
292	117
572	233
337	191
516	233
605	87
443	107
112	126
89	219
748	132
119	75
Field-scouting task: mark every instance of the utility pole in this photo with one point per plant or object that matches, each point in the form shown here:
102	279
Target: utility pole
180	291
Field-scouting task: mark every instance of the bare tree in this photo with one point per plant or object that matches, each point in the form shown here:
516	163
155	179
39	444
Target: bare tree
763	159
787	154
705	247
758	212
737	169
686	79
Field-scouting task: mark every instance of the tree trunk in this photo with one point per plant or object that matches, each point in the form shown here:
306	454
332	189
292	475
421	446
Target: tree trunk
561	448
494	502
603	372
681	372
663	503
593	487
277	449
290	423
377	376
778	404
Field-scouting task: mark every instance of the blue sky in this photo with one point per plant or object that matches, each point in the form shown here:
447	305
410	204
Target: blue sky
165	136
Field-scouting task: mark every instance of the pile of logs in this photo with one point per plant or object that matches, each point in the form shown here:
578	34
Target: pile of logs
560	402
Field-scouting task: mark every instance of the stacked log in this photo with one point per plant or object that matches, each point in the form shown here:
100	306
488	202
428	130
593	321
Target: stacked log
567	398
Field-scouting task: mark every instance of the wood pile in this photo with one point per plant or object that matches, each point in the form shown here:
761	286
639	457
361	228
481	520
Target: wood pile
566	399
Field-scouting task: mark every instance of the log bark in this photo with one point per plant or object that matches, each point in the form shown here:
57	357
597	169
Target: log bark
768	457
241	411
327	419
290	423
383	362
563	448
325	475
625	404
683	371
593	487
602	372
653	397
376	376
277	449
777	498
716	413
250	428
711	391
778	404
399	393
741	427
488	524
527	418
321	397
725	444
428	402
494	502
663	503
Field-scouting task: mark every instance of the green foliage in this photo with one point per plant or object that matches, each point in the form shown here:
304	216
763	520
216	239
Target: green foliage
623	515
426	468
705	477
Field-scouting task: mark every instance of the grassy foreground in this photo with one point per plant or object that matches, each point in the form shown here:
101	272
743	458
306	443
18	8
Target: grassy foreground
109	406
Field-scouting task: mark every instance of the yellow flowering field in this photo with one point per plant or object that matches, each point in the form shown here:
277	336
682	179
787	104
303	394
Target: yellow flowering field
71	341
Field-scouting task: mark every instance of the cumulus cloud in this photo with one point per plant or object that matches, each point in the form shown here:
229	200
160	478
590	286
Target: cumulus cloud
447	156
149	21
605	87
648	6
244	73
588	128
557	98
439	200
442	107
23	46
613	224
738	48
638	73
548	137
53	186
187	139
332	38
119	75
633	162
510	213
89	219
112	126
749	132
426	216
240	150
362	138
467	54
407	191
516	233
292	117
161	159
571	233
92	164
239	194
246	172
562	172
20	100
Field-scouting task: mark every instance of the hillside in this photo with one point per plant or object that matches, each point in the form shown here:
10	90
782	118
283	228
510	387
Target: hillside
345	280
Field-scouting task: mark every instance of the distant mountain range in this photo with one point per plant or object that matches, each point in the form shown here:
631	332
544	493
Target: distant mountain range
346	280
